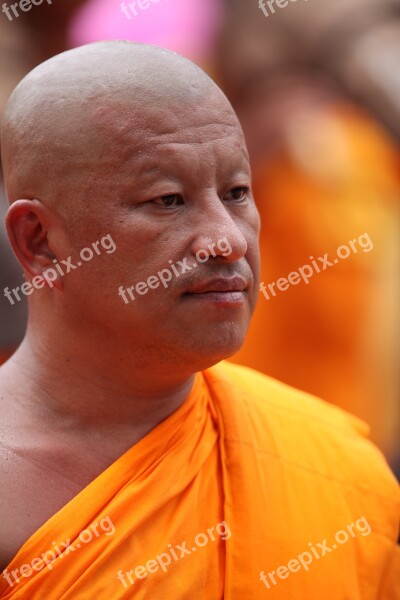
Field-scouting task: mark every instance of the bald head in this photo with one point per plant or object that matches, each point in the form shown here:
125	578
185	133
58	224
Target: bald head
66	119
138	145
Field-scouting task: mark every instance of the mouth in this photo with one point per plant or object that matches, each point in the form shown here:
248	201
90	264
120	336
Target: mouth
226	291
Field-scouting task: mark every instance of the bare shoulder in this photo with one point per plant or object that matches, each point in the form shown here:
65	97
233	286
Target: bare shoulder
33	486
42	465
10	488
16	479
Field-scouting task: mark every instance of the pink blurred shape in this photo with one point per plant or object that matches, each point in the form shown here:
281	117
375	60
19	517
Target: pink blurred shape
185	26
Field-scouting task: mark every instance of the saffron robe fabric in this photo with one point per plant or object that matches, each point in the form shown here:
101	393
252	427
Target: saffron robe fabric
283	470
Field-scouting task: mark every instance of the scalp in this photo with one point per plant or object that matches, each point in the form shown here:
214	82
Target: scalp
64	118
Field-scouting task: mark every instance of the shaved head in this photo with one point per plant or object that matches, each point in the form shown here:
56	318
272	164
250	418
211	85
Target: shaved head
62	119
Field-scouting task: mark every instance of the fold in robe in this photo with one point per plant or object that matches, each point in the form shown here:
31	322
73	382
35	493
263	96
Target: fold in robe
281	469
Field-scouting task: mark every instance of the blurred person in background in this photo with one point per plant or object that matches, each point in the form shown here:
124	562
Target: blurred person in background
24	43
326	170
189	28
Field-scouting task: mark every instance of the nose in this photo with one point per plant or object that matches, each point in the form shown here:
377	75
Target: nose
215	224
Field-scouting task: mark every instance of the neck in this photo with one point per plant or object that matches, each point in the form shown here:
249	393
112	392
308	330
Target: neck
57	388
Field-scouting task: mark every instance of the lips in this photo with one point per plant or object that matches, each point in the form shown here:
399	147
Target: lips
220	284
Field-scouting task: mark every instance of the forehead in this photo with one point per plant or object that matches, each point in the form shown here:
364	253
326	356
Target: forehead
149	134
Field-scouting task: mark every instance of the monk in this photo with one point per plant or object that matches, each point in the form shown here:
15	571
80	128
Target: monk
134	461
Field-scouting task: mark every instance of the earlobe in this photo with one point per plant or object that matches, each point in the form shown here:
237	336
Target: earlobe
28	223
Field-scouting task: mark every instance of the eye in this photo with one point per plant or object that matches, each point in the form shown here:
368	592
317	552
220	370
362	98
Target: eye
237	194
168	201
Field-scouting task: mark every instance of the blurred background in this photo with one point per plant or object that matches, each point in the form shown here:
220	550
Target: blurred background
316	85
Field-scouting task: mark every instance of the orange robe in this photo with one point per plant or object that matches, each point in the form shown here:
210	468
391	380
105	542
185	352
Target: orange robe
247	476
335	177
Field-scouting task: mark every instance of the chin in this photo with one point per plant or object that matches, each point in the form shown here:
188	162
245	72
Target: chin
214	349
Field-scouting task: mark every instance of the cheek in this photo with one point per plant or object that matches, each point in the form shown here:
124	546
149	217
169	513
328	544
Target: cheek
147	242
140	254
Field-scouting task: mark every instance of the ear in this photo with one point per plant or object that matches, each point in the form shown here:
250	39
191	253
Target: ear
28	225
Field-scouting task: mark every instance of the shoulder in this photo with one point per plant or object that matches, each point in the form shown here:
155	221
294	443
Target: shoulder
301	469
269	399
301	431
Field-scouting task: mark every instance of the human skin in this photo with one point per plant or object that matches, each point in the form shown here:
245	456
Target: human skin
138	143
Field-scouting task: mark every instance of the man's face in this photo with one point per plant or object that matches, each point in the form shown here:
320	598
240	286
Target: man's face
166	188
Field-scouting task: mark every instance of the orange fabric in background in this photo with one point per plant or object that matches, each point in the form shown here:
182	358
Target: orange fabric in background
281	468
336	176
